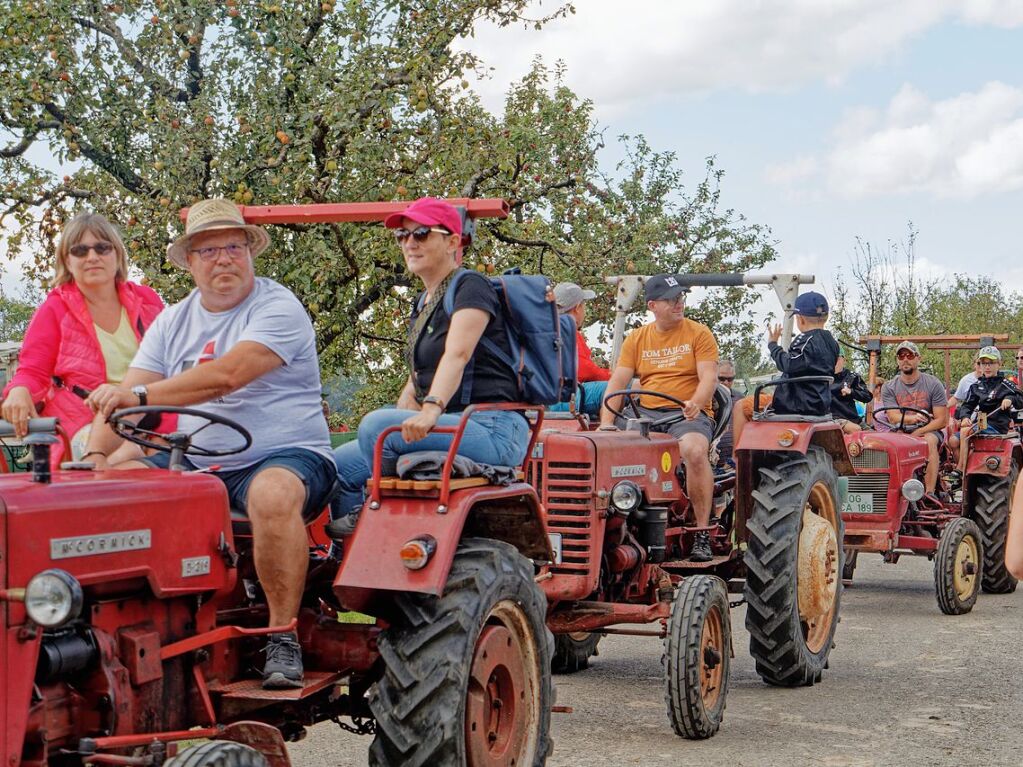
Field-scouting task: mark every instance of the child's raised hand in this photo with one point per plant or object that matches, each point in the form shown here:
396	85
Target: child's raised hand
774	333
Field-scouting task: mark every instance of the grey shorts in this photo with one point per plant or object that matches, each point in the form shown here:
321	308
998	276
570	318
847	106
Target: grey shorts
702	424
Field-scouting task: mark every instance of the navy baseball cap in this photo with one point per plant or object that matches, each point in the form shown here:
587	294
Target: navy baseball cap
664	287
811	304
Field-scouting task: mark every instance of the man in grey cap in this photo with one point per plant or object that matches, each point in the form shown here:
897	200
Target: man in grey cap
921	391
571	300
242	347
676	356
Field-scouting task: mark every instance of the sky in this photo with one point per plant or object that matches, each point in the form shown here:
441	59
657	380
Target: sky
832	119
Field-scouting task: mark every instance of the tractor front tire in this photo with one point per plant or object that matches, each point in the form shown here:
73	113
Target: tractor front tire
958	566
789	650
991	506
697	657
466	676
218	753
572	652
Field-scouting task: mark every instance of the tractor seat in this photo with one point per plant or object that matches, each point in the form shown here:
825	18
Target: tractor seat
421	472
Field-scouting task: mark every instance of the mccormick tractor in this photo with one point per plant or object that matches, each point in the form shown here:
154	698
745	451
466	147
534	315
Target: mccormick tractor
962	528
621	526
133	621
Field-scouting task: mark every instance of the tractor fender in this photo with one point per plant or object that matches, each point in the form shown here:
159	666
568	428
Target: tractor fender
765	435
371	560
1009	454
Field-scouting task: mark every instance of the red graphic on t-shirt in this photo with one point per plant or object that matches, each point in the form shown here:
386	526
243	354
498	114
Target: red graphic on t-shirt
208	354
918	399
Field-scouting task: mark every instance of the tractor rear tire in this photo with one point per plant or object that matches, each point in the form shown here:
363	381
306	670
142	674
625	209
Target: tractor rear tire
466	676
960	549
218	753
697	657
991	513
789	651
572	652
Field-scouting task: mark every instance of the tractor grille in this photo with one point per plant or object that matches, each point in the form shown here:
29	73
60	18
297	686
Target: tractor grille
875	485
566	490
871	459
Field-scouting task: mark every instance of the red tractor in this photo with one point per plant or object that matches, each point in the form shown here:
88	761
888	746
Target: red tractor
134	621
962	529
622	526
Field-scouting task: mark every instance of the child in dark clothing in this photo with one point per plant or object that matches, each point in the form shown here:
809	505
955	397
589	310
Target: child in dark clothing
992	396
813	352
846	391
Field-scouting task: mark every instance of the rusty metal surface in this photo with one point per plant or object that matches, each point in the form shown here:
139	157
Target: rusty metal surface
252	689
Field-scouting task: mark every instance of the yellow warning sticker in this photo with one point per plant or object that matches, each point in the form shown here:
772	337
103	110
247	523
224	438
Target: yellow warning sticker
666	461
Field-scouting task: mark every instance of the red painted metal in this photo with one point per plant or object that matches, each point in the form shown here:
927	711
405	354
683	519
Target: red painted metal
262	737
145	739
590	616
354	212
917	544
495	722
221	634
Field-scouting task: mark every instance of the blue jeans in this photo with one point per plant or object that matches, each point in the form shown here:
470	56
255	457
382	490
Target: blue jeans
499	438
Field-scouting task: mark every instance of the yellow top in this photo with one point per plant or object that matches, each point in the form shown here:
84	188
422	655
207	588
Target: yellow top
118	348
666	361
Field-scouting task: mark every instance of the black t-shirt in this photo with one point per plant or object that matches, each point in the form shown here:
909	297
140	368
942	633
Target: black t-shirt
492	380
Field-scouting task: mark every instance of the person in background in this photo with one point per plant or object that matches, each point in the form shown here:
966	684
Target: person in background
726	445
846	391
677	356
1014	538
962	390
83	335
920	391
992	397
571	300
1017	377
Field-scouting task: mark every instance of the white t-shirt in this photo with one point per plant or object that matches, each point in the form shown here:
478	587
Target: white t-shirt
963	389
281	408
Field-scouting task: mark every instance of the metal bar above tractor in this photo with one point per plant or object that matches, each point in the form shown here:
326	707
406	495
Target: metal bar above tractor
630	287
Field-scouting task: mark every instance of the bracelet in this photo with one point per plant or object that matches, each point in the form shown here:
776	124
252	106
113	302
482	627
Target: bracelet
94	452
434	400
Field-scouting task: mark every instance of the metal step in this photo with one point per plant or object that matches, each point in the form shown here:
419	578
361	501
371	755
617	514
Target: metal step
252	689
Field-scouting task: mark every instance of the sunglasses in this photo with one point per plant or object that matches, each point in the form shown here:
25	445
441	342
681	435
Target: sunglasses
419	234
81	251
726	379
905	356
234	250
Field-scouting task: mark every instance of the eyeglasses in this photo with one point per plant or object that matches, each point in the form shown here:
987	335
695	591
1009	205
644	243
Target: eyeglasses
234	250
905	355
1019	356
990	362
81	251
419	234
726	379
676	301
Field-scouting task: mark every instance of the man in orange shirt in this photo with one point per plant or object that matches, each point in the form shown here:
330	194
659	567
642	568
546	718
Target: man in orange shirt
679	357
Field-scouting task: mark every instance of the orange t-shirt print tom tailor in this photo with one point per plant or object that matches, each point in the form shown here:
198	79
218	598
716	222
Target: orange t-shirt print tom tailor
665	361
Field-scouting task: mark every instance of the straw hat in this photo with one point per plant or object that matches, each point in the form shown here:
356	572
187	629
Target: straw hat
208	216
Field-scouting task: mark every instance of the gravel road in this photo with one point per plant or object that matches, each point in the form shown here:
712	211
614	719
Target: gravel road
907	686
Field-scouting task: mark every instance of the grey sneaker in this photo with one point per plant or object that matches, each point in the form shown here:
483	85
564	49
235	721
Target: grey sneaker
701	548
283	667
342	526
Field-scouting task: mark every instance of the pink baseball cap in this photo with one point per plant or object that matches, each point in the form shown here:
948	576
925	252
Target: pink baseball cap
428	211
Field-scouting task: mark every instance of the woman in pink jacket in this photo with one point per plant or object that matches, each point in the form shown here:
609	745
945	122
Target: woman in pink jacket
85	333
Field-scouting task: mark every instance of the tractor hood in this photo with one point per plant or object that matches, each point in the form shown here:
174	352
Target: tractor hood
118	530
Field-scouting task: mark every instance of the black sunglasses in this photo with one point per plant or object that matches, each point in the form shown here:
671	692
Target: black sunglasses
81	251
419	234
723	379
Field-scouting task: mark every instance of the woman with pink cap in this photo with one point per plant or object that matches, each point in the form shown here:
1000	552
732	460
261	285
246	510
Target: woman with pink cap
441	351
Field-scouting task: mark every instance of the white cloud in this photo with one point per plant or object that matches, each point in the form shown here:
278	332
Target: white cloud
620	56
960	147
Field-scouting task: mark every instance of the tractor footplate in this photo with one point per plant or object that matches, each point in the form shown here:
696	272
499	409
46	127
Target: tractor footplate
252	689
686	564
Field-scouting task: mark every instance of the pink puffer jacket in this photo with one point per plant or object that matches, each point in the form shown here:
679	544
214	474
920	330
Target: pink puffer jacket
61	342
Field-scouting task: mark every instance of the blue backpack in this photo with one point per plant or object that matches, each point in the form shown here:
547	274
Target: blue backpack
542	341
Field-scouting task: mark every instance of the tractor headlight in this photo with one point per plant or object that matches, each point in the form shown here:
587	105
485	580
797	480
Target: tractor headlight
53	598
625	497
912	490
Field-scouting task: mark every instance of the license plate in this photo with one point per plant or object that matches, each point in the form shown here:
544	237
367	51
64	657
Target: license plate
555	546
859	503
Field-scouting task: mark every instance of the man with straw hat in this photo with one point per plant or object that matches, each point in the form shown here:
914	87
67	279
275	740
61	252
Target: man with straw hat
242	347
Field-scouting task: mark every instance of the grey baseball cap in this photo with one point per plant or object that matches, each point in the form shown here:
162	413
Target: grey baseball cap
908	346
989	353
568	294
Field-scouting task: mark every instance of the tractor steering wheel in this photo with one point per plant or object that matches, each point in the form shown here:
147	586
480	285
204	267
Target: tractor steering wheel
630	395
901	426
176	441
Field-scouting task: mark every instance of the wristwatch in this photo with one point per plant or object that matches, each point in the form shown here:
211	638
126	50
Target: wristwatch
434	400
141	392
